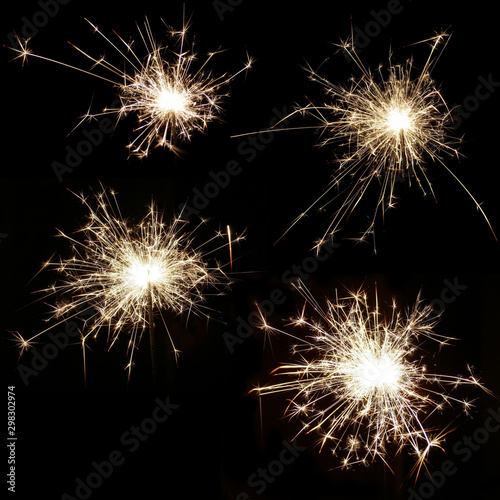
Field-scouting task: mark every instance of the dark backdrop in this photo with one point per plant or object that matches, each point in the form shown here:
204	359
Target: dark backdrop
213	443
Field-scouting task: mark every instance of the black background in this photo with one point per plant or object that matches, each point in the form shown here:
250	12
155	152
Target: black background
212	443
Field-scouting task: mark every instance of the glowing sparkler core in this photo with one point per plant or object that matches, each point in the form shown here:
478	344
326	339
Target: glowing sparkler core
359	379
375	373
170	101
398	120
144	275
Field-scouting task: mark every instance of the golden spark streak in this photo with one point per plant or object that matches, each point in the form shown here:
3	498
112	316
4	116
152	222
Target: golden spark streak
230	246
359	379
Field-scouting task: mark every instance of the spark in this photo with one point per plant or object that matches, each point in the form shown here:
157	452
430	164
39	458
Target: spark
22	344
24	51
230	245
389	125
171	94
360	381
121	272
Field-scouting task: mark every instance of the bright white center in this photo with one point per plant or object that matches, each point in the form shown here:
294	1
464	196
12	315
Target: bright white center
398	120
169	100
144	274
377	373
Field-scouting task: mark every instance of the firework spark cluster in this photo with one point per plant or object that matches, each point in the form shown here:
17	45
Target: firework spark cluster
360	381
170	93
359	377
387	125
120	270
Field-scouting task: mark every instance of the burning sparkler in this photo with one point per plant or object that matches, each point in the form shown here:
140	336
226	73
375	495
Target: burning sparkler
170	97
390	125
360	380
122	273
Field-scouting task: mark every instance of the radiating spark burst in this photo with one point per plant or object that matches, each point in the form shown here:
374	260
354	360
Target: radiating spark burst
22	344
360	380
121	272
171	98
390	123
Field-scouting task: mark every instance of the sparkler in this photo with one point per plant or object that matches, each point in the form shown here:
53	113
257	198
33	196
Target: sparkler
121	273
390	124
360	380
171	99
